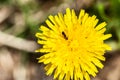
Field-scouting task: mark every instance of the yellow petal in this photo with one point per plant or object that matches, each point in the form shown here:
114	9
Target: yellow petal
87	77
106	36
97	63
100	26
82	12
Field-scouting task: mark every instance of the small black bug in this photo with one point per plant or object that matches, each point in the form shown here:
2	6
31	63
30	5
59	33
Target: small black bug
64	35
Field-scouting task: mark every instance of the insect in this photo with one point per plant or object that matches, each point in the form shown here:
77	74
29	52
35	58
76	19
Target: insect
64	35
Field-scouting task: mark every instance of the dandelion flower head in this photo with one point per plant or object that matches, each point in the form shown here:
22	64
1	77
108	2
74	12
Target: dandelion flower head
73	47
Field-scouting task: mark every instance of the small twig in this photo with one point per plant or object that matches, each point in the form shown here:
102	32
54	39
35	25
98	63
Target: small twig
4	13
18	43
19	25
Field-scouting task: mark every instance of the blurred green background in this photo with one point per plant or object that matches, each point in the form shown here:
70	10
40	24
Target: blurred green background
20	20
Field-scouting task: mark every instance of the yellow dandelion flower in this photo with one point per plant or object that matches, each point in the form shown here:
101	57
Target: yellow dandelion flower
74	46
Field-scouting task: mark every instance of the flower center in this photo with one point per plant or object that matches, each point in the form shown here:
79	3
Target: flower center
74	44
